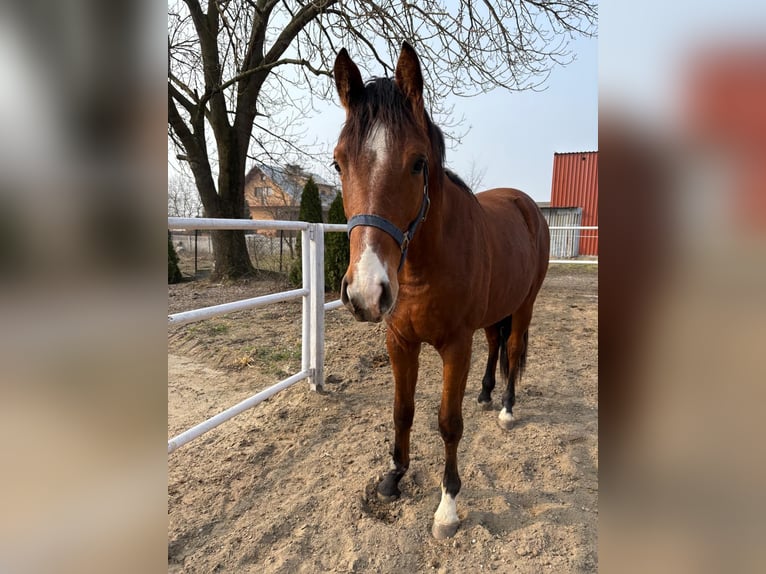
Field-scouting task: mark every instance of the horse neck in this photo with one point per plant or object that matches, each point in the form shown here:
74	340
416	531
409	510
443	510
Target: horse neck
433	243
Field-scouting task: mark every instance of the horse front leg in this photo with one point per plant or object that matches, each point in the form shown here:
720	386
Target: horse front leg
456	357
404	363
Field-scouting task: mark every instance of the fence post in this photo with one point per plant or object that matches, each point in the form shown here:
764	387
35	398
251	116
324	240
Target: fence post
196	237
316	256
306	325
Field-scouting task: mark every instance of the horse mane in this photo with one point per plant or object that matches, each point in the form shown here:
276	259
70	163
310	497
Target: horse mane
384	102
457	180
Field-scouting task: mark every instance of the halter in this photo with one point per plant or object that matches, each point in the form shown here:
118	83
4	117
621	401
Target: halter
402	238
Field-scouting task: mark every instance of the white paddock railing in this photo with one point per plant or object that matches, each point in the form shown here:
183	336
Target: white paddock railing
314	307
575	228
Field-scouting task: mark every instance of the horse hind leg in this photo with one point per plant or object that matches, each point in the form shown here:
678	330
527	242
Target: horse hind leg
513	359
497	335
488	381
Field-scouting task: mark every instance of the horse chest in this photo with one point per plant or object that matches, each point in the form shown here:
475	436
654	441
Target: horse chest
427	315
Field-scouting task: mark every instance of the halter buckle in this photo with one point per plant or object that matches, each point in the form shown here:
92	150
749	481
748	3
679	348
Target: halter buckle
405	241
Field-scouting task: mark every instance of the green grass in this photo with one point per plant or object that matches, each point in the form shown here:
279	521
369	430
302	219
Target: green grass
210	328
276	354
272	360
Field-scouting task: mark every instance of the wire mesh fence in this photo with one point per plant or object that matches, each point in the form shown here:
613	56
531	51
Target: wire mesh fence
268	252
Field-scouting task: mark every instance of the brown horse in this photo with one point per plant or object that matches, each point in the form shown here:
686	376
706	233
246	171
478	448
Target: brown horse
431	258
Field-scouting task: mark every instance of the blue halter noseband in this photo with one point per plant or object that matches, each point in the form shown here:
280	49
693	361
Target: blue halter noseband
402	238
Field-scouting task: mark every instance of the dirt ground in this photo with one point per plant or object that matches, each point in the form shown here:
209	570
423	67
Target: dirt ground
289	485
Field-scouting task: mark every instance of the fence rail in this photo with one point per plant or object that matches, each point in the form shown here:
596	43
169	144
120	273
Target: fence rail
313	310
178	319
214	223
231	412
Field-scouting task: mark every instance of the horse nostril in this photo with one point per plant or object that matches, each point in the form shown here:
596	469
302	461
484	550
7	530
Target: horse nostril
344	290
386	297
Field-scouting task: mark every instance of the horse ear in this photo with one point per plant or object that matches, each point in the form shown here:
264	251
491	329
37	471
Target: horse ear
409	78
348	80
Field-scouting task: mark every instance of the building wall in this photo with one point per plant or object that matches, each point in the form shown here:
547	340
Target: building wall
276	203
269	205
575	184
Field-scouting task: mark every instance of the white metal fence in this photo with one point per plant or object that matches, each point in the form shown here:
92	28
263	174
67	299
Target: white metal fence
311	293
314	307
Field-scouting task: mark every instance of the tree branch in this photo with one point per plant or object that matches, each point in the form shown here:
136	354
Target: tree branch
191	106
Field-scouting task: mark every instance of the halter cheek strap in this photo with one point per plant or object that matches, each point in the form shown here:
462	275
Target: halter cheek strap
402	238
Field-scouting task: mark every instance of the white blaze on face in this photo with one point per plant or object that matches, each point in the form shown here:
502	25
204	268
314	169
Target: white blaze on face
370	273
377	144
369	276
447	511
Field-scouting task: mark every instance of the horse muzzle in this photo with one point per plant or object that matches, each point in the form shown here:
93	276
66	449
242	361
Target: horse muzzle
369	304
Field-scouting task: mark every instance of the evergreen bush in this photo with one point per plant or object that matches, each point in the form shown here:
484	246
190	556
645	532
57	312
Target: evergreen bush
310	211
336	248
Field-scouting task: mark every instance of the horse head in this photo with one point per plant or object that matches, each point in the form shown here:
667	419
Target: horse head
383	157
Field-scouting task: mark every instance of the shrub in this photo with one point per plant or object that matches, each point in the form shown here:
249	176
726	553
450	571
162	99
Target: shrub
336	248
310	211
174	273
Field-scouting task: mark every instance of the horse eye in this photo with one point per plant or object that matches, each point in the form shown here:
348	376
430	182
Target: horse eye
419	165
335	165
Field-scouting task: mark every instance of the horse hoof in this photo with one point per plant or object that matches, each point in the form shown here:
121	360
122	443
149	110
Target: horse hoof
442	531
387	497
505	420
387	490
485	405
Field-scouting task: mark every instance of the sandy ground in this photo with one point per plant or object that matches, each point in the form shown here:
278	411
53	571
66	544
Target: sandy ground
288	486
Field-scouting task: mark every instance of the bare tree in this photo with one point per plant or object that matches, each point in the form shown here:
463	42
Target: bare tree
475	176
241	73
183	199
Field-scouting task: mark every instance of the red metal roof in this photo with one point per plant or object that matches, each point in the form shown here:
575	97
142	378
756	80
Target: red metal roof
575	184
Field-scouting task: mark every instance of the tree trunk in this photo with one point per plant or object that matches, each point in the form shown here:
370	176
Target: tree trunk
232	260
